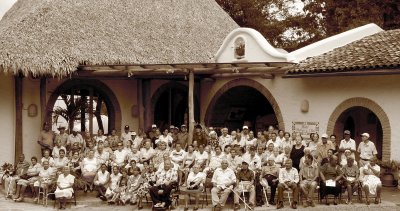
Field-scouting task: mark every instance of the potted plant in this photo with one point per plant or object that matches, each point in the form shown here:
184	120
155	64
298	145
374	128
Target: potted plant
389	172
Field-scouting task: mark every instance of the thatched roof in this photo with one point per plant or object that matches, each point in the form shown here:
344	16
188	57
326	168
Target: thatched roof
54	37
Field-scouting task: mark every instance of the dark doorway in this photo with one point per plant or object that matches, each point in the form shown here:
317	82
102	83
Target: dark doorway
361	120
242	105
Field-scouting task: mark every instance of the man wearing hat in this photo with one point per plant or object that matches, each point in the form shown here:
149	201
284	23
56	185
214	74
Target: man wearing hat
152	133
183	137
244	180
324	146
126	135
62	136
347	143
366	149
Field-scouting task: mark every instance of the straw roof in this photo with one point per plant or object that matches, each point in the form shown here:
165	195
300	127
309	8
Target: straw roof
55	36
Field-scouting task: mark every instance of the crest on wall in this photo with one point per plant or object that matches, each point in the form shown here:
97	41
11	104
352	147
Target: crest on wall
240	48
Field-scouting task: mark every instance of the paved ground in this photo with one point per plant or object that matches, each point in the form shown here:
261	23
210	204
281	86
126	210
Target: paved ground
88	202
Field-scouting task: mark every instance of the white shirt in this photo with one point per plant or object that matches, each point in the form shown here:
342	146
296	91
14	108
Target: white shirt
215	161
235	162
137	141
72	139
103	157
177	157
292	175
102	177
367	150
277	144
196	177
120	156
146	153
224	140
254	162
200	158
351	144
100	138
223	177
90	164
56	151
167	139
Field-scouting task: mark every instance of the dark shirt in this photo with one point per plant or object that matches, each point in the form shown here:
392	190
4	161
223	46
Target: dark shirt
296	155
245	175
330	172
200	138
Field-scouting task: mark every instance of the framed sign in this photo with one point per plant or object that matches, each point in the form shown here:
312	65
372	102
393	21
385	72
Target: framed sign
305	128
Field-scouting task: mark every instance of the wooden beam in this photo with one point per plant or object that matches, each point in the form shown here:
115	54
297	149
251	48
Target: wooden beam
43	101
348	73
191	107
91	110
18	117
147	104
231	75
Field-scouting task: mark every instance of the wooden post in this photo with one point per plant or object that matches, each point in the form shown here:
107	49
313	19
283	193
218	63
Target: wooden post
83	114
146	104
140	103
91	110
18	117
191	107
43	81
170	106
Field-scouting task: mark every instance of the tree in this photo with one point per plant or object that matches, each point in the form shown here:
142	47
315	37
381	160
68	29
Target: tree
292	24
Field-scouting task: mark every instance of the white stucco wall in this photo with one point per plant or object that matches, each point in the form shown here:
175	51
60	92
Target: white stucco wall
7	122
324	95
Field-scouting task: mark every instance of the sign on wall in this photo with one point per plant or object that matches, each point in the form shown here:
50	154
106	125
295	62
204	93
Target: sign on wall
305	128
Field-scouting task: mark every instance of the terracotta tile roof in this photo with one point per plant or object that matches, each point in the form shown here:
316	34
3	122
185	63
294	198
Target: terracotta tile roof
378	51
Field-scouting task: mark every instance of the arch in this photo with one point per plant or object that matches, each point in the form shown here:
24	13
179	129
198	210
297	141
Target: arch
374	107
250	83
172	84
110	100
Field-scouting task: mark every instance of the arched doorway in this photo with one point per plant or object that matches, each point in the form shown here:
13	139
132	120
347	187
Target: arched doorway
362	115
70	103
243	102
170	105
359	120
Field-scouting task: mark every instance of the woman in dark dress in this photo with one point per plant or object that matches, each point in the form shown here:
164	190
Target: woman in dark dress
297	152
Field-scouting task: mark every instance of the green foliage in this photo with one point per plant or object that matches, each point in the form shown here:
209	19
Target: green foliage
286	25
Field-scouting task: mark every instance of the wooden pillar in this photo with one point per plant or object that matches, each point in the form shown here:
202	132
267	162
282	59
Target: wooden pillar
91	110
140	103
18	117
147	104
83	108
191	106
43	101
170	106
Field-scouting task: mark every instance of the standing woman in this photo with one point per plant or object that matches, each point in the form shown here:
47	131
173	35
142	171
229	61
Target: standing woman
64	189
297	152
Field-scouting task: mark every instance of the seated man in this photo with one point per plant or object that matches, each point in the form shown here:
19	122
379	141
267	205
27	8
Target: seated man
11	181
29	178
167	179
288	178
269	177
223	180
46	177
101	181
330	174
308	180
351	174
245	180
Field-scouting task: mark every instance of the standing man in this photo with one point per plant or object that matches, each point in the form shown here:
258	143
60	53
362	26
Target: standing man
75	137
223	180
323	147
46	138
183	137
366	149
126	135
225	138
347	144
199	136
62	136
288	179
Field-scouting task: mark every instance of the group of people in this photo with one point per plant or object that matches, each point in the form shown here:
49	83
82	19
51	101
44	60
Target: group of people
124	169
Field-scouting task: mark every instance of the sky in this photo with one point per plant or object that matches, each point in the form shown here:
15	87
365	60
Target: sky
5	5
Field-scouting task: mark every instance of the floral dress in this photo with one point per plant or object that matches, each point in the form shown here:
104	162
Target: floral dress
135	189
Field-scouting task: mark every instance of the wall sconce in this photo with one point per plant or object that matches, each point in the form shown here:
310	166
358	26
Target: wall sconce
305	105
32	110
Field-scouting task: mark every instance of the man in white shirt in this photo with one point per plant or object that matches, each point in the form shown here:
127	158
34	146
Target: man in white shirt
366	149
75	137
223	180
234	160
252	159
101	155
274	140
167	178
120	155
126	135
147	152
101	180
347	143
245	134
288	179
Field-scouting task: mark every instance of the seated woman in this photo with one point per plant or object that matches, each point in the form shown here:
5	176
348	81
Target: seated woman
64	189
61	161
135	188
27	179
46	157
188	163
75	164
194	185
115	179
89	168
330	174
46	178
371	183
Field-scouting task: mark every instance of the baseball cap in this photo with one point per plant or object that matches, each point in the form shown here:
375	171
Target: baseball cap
347	132
183	126
245	127
171	127
133	133
365	134
244	162
324	135
153	126
126	127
